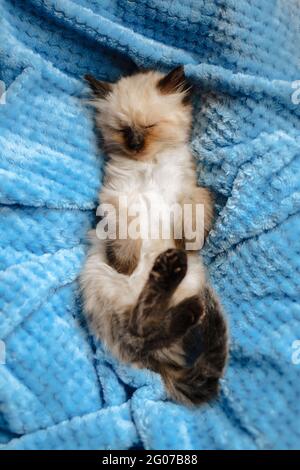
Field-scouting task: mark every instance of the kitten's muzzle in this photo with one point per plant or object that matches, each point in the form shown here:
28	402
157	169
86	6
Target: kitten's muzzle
134	139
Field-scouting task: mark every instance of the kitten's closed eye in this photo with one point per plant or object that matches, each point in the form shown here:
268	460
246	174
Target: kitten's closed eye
125	129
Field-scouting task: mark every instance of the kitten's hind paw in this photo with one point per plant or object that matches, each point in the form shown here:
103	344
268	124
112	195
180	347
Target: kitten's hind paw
185	315
169	268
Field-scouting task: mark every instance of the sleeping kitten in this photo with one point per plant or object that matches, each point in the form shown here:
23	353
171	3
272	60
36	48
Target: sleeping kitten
148	298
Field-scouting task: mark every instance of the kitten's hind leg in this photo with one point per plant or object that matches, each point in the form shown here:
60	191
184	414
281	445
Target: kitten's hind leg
153	323
151	318
192	377
167	272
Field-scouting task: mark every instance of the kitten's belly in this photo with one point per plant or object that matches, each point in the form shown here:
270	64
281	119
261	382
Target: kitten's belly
153	214
150	197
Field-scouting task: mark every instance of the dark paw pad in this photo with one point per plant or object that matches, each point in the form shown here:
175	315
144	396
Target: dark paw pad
170	267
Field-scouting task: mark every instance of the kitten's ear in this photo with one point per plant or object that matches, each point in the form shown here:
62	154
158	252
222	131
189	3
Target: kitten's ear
174	81
99	88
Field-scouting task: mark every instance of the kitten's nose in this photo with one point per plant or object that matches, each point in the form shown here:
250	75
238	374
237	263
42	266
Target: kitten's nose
134	139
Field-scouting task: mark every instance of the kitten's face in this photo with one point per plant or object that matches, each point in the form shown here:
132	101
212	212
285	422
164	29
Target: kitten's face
142	115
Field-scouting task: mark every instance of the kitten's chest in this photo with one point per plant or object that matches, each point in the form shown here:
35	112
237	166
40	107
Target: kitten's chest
157	181
160	183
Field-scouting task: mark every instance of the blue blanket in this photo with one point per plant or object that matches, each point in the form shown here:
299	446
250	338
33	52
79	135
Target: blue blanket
59	388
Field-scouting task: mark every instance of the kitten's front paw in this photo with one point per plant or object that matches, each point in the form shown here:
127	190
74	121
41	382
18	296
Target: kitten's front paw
169	268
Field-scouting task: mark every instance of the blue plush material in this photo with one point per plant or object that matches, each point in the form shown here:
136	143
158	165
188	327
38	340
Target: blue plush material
58	388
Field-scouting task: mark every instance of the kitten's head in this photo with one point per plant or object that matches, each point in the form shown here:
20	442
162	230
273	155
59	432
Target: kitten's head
143	114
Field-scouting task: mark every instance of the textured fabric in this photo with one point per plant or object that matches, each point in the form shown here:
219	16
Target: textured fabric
58	388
